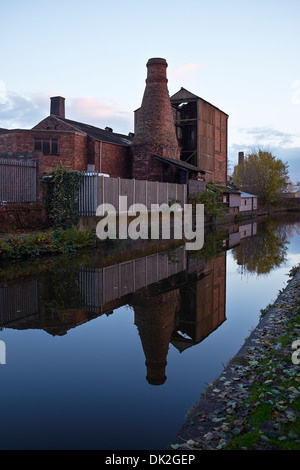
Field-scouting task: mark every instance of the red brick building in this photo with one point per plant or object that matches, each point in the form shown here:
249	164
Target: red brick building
156	153
79	146
175	139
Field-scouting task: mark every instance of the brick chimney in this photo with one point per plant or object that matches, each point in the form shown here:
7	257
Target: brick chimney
57	106
154	125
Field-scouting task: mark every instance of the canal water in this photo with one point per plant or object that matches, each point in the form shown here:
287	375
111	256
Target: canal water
110	348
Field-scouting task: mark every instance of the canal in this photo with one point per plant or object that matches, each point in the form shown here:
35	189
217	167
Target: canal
110	348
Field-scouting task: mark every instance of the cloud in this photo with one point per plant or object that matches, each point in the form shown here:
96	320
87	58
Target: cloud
19	111
100	113
185	72
267	135
296	94
2	92
25	111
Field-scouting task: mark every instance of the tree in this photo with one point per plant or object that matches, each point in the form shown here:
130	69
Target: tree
264	252
262	174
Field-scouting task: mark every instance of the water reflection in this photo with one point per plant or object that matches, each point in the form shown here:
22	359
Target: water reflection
178	297
268	250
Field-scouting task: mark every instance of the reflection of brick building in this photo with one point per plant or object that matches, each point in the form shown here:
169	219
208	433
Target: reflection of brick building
172	308
202	304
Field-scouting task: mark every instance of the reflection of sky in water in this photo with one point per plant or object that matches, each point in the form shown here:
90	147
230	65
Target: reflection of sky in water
88	389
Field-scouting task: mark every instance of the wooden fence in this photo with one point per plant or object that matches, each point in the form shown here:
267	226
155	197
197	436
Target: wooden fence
99	286
17	181
96	190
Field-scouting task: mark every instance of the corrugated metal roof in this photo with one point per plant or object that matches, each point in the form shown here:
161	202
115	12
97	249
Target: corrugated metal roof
246	194
180	164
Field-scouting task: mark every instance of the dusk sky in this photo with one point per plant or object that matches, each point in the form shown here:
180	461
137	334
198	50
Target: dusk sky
241	56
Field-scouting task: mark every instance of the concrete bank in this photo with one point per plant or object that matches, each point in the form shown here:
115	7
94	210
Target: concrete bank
254	403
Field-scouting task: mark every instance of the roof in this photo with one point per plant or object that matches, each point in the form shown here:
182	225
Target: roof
99	134
180	164
246	194
184	95
223	189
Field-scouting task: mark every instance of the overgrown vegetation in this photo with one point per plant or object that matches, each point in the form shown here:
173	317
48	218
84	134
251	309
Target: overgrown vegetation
50	242
62	203
213	205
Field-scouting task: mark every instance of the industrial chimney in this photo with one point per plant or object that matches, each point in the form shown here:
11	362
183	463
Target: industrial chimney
154	125
57	106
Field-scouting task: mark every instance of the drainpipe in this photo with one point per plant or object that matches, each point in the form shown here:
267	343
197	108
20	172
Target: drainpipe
100	156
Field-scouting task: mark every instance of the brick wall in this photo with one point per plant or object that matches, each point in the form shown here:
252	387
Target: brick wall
114	160
9	142
22	217
72	148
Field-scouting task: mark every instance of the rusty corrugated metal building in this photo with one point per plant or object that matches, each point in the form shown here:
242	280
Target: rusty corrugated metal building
201	130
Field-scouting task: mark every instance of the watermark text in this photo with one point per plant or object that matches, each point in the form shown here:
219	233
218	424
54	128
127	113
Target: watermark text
185	224
296	354
2	352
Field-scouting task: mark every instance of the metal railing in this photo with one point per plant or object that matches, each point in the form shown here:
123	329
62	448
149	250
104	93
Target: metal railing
17	181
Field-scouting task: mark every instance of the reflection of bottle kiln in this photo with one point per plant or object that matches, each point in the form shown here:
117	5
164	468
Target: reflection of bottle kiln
155	318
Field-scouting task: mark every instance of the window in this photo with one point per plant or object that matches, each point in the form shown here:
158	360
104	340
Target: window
46	146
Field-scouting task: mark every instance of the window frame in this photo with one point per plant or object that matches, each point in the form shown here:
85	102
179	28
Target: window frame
42	142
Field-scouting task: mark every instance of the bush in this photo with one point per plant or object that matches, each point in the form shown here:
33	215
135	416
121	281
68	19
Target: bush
212	205
52	242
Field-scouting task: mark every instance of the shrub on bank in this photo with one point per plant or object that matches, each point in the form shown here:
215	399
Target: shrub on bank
50	242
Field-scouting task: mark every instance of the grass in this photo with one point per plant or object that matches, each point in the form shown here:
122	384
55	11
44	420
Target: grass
49	242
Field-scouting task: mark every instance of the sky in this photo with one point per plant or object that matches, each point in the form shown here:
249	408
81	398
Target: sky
241	56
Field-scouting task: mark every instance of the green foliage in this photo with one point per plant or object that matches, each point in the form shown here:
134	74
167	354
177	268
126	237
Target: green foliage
294	270
51	242
262	174
264	311
213	207
63	196
264	252
63	293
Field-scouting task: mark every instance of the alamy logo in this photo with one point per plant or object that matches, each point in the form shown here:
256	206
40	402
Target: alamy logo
2	352
185	224
295	355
